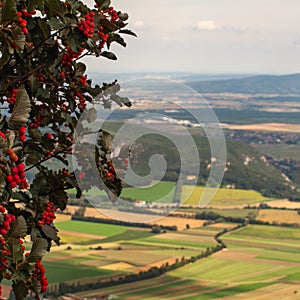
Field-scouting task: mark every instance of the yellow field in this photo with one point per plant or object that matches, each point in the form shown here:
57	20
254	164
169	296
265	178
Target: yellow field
223	197
118	266
179	222
283	127
284	203
280	216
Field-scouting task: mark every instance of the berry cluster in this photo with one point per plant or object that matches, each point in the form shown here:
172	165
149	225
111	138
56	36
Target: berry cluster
82	102
22	135
3	261
103	36
5	226
2	135
48	215
87	25
110	170
114	14
39	274
12	99
17	177
81	175
22	22
36	122
12	156
70	55
49	136
83	80
22	244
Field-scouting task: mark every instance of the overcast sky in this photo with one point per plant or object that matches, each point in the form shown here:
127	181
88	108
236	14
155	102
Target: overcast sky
209	36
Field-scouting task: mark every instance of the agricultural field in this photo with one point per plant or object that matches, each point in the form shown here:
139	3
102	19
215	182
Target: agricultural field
94	250
161	192
224	197
248	270
279	216
225	212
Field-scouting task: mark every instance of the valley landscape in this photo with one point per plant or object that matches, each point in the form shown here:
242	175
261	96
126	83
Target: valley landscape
243	245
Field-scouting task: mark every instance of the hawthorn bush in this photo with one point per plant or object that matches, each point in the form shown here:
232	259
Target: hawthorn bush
44	90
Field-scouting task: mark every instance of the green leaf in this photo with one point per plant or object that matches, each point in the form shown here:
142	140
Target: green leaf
127	31
116	38
123	16
36	287
2	183
56	24
38	250
51	233
33	158
19	38
20	290
43	28
55	8
19	228
74	43
59	198
9	11
35	134
17	252
36	4
80	69
109	55
21	109
103	4
39	185
21	196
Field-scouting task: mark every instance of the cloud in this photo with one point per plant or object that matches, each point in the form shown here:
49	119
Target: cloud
138	24
297	40
172	39
207	25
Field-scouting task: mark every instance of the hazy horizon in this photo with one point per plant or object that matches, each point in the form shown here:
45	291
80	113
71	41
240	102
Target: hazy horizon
209	36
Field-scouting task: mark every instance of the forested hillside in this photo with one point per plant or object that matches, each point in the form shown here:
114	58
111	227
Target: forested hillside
264	84
246	168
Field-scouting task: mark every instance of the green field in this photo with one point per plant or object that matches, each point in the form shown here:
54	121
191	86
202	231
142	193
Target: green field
71	270
135	247
270	232
224	197
160	192
247	270
91	228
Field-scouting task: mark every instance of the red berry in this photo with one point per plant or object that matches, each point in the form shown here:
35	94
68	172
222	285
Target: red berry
21	167
23	23
9	178
22	130
22	138
3	231
25	30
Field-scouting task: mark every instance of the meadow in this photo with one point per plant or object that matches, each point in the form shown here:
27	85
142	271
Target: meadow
103	250
223	197
242	271
162	192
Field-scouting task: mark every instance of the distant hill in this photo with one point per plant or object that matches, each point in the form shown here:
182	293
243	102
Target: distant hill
263	84
246	169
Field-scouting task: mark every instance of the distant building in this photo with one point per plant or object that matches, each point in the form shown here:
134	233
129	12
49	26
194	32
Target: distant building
140	204
191	177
